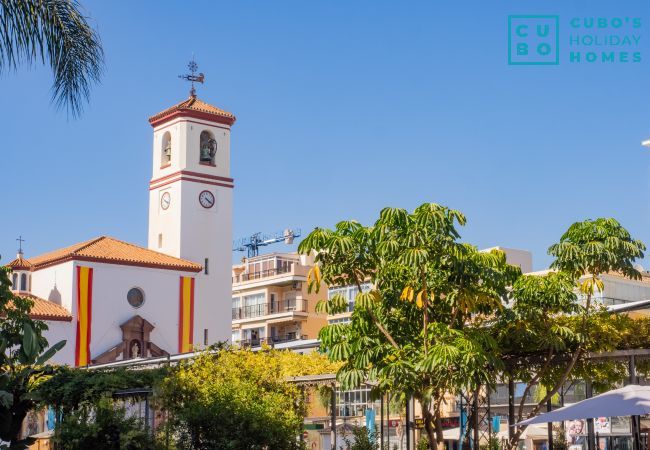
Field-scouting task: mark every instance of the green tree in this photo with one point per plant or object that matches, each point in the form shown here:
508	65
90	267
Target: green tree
553	323
23	356
238	399
362	440
54	32
422	328
104	426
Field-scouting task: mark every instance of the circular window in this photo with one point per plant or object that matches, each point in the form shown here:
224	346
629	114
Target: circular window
135	297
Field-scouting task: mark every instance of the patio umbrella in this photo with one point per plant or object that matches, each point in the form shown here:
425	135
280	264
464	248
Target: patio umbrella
631	400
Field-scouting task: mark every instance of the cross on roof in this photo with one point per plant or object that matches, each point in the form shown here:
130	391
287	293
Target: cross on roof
20	244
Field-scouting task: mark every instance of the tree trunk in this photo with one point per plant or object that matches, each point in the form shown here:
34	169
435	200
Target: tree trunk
429	426
439	433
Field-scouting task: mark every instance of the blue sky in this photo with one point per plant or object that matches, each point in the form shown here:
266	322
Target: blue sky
343	108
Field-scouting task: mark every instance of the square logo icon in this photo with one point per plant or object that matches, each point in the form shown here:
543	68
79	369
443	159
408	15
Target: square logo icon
533	40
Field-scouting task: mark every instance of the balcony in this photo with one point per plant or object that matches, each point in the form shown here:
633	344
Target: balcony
266	309
272	340
267	268
261	274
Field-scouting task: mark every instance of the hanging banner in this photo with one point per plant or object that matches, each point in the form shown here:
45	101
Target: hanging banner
186	315
84	315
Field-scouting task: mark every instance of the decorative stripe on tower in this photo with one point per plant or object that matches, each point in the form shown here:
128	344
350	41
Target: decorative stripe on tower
186	315
84	315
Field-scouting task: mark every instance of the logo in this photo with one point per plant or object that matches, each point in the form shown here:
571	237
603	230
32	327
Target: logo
533	40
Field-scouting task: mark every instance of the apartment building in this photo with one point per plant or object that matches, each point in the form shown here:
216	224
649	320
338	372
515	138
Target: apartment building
270	302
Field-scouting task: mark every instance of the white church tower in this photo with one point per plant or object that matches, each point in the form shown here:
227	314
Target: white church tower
190	206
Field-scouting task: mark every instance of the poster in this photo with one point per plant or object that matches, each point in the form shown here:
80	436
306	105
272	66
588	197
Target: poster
602	425
575	431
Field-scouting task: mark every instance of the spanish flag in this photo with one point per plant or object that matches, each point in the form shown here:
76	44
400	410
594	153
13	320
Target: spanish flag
84	315
186	315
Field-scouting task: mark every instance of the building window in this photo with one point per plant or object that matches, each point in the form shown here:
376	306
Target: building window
135	297
23	282
208	148
236	308
205	266
205	336
349	293
354	402
255	305
14	283
166	152
160	242
340	320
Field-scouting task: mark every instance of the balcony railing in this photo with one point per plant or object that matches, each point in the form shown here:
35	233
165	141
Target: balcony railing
265	309
272	340
247	276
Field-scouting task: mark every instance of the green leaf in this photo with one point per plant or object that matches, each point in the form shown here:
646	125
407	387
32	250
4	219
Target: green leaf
49	353
30	342
6	399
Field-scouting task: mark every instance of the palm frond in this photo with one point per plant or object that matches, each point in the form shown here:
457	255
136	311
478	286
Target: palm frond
57	33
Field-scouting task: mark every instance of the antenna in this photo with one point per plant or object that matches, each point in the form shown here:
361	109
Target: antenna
253	243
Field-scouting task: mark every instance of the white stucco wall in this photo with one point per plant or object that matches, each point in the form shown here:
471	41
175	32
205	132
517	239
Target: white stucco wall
110	308
207	233
55	283
190	231
61	331
623	289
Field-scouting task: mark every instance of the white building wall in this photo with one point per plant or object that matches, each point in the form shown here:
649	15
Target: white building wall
191	231
207	233
110	308
622	289
62	331
56	284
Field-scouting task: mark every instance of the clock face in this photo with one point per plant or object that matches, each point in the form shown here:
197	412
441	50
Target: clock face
206	199
165	200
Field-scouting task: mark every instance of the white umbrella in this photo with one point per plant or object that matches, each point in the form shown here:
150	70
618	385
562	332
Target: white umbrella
631	400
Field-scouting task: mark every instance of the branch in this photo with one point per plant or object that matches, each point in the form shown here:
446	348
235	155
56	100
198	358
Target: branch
534	380
548	396
376	321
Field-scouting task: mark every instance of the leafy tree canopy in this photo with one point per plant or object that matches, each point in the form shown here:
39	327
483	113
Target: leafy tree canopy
238	399
24	353
422	328
442	316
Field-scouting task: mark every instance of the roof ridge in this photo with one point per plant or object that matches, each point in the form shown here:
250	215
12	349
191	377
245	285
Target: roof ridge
130	244
86	244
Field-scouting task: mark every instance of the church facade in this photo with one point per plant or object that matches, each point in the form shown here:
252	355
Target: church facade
112	300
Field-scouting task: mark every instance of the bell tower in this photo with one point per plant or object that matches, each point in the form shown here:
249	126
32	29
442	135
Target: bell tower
190	205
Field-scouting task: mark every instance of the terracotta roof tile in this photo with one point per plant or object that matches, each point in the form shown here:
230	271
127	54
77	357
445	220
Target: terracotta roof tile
113	251
47	310
193	104
20	263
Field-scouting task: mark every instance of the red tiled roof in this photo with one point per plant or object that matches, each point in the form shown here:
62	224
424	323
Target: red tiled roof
47	310
196	108
113	251
20	263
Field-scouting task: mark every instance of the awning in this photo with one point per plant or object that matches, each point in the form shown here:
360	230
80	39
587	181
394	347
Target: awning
631	400
453	434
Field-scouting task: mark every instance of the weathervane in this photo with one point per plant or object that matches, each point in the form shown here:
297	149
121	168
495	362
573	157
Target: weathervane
193	76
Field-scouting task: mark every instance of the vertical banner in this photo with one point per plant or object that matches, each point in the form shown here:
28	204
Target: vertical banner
84	315
186	315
